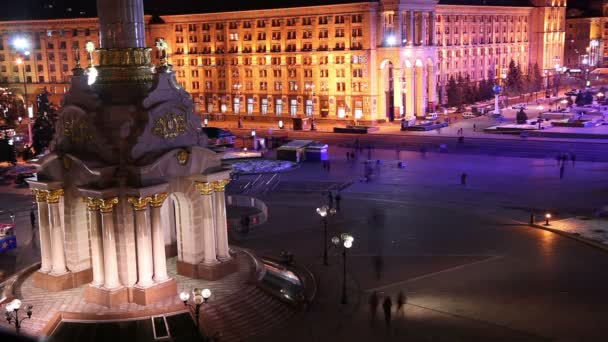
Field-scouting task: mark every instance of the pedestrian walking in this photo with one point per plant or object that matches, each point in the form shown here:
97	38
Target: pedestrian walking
373	306
338	199
387	306
378	263
245	224
573	159
33	219
463	178
474	127
401	301
561	171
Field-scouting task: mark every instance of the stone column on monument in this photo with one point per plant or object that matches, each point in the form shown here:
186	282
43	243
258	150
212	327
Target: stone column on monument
158	241
96	242
143	240
209	253
58	250
221	228
110	262
43	230
121	24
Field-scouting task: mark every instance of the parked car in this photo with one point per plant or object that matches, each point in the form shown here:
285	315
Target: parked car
520	106
218	136
431	116
468	115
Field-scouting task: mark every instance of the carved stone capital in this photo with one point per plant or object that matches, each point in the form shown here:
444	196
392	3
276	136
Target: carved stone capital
220	185
41	195
107	205
158	199
139	203
204	188
54	195
92	203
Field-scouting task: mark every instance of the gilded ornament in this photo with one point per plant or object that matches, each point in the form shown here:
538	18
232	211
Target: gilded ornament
54	195
41	195
182	157
92	203
158	199
220	185
107	205
139	203
204	188
170	125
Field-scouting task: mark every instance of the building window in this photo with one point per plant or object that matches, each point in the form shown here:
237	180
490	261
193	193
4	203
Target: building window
278	107
264	106
293	107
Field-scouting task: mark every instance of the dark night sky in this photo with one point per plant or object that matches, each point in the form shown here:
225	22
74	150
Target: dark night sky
42	9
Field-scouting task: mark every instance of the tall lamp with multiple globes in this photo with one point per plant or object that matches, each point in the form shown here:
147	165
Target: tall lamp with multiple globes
347	242
12	314
199	297
324	211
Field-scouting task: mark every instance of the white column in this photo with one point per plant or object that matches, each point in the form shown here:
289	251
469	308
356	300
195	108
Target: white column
424	17
110	262
412	33
397	91
221	228
420	91
410	92
206	191
96	243
158	241
143	240
44	230
58	251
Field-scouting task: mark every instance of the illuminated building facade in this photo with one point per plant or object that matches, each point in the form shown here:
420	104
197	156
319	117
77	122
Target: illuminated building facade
364	60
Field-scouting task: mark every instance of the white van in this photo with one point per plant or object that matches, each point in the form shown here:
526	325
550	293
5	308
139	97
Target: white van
468	115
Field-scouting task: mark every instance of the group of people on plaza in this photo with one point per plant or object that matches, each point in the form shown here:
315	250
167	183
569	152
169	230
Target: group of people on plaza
387	307
562	160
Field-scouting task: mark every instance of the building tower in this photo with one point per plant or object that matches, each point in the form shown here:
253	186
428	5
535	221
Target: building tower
404	60
547	35
128	152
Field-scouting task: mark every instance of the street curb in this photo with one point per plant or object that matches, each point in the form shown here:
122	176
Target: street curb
579	238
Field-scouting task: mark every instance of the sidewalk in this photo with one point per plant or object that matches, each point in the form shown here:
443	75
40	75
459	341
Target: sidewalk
395	129
591	231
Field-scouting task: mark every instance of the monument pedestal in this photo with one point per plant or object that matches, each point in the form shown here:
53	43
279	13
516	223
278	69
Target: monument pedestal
155	293
207	272
106	297
62	282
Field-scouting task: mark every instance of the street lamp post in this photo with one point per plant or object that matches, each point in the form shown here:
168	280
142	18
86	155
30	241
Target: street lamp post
12	314
347	242
324	211
547	217
199	297
310	88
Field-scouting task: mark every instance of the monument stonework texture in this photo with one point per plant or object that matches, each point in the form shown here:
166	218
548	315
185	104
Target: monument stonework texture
129	180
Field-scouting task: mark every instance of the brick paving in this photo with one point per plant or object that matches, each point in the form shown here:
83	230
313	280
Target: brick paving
236	310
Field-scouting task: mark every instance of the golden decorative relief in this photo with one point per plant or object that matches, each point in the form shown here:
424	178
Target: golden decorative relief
54	195
139	203
125	57
221	184
76	129
107	205
182	157
204	188
93	204
137	75
170	125
158	199
41	195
